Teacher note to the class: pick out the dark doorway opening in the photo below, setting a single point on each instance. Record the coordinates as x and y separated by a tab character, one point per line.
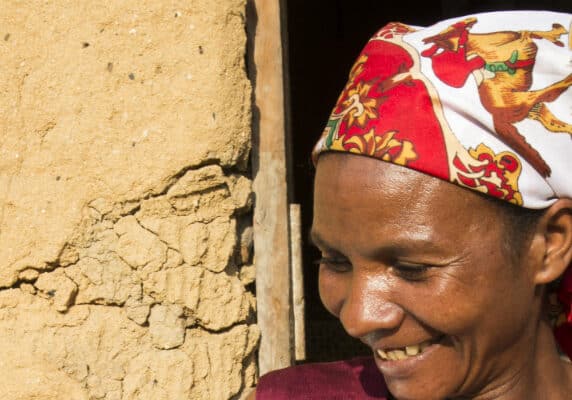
324	39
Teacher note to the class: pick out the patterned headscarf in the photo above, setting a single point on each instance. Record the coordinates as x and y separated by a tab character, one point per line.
481	101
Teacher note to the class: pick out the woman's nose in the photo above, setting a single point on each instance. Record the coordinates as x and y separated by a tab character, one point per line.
368	308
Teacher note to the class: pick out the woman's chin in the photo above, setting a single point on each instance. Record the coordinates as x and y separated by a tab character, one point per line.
408	391
411	390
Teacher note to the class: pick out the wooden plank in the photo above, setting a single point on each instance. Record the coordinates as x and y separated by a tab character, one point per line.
297	282
271	223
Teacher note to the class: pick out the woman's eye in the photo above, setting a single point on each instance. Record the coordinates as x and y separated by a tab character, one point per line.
411	272
334	264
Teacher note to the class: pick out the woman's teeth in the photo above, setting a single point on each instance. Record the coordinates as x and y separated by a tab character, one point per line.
403	353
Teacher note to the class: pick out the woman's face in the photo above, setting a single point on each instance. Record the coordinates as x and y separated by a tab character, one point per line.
415	268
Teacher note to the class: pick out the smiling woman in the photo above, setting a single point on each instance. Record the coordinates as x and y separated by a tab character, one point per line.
416	269
443	213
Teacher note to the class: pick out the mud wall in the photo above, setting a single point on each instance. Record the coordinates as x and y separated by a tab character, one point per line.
125	201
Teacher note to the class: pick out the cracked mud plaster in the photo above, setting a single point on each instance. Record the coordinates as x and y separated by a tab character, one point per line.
125	203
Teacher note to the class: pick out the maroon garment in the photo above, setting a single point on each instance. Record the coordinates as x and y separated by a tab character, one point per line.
353	379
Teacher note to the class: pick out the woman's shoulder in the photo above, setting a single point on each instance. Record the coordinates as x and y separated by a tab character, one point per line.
357	378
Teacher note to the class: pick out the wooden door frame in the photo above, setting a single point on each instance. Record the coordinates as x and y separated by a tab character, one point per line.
276	221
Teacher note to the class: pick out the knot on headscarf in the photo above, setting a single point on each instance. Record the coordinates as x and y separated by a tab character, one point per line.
482	102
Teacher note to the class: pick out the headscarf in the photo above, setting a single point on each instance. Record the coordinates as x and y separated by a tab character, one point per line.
481	101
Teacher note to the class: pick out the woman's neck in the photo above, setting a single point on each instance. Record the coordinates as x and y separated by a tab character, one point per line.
546	376
553	373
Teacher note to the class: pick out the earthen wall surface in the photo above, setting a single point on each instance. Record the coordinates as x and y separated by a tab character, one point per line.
125	201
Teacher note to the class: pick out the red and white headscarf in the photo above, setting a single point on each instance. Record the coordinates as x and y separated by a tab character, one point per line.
481	101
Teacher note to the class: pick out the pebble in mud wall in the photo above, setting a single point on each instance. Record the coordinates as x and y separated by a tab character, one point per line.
125	201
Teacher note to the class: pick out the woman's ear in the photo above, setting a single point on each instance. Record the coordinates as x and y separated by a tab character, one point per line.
555	232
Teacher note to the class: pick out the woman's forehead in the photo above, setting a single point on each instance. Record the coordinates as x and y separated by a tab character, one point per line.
345	172
354	192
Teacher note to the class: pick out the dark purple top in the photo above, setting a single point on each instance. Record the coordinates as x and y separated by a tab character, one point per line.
353	379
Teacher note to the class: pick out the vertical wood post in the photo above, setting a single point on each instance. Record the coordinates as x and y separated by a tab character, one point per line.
298	302
271	220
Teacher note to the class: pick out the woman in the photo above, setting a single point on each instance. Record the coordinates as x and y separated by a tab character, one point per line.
443	212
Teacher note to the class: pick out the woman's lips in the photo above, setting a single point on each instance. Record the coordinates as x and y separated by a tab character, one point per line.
403	353
404	362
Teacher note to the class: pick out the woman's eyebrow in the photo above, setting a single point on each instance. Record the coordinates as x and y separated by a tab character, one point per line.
403	244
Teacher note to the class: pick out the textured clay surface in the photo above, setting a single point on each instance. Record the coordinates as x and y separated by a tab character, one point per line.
125	201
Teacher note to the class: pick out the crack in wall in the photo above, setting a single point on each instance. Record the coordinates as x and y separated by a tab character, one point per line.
119	297
132	262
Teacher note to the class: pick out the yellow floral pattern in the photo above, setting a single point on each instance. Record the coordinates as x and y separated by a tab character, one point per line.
385	147
492	173
359	108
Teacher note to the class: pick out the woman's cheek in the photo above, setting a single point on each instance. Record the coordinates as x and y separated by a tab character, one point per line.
332	288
